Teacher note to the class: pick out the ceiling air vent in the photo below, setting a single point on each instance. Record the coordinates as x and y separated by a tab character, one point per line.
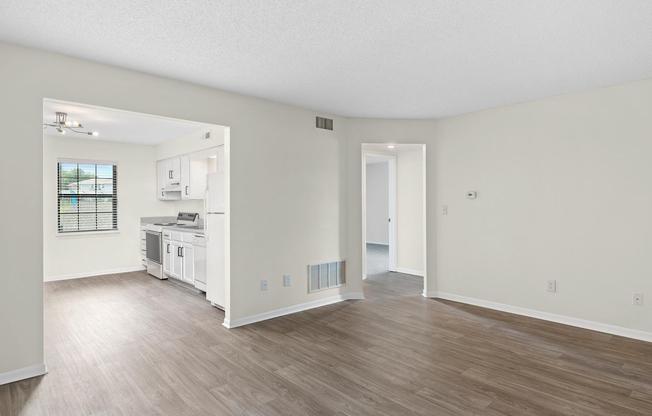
324	123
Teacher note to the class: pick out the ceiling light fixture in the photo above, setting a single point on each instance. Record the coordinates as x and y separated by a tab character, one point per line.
391	146
62	123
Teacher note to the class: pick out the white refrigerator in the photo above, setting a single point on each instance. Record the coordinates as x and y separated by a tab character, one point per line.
215	241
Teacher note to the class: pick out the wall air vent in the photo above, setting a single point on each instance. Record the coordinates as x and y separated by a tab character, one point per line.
324	123
326	275
206	136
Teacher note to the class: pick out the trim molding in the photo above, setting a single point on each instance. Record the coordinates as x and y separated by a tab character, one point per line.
378	244
290	310
101	273
409	271
23	373
546	316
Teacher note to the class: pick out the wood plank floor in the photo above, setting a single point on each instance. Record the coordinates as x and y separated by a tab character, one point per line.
129	344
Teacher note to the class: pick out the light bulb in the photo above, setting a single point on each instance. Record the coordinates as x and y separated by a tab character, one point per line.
391	147
61	131
75	123
67	123
94	133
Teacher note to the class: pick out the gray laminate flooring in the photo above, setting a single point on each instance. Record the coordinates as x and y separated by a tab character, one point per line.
129	344
377	259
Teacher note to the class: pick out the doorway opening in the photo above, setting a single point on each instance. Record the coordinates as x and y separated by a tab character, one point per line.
394	214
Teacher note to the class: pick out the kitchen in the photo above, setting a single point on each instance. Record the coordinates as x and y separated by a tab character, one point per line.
170	178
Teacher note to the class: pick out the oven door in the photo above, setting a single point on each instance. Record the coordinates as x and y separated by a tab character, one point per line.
153	247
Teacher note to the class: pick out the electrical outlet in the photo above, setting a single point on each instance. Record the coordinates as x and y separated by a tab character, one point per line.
552	285
638	299
286	280
264	284
444	210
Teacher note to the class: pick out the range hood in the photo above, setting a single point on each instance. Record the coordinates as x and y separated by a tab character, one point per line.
173	187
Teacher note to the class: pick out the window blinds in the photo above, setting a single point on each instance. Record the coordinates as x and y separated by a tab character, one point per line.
87	196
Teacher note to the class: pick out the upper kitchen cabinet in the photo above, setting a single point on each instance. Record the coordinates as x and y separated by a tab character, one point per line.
184	177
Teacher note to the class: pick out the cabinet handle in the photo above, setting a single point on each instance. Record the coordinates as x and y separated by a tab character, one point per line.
168	250
186	189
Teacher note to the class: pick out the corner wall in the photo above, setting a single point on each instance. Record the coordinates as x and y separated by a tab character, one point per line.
564	192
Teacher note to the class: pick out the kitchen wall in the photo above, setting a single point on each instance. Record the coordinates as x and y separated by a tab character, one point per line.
409	212
288	185
187	144
73	255
378	203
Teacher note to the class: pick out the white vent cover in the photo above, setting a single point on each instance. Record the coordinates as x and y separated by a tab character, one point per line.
206	136
326	275
324	123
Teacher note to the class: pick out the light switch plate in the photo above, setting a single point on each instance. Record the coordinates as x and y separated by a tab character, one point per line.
264	284
471	194
286	280
638	299
552	285
444	210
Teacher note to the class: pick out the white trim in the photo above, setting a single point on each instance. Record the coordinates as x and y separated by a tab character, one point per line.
86	161
78	234
378	244
289	310
546	316
409	271
23	373
90	274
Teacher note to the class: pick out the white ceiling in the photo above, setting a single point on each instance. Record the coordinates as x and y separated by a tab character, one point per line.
392	58
117	126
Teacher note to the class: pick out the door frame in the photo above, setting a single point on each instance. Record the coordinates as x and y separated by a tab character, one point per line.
391	159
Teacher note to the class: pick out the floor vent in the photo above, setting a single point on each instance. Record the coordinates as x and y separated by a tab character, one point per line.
326	275
324	123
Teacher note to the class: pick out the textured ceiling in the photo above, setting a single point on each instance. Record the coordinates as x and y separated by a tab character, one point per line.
394	59
117	126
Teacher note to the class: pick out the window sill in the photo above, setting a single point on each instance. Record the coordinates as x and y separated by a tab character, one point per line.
87	234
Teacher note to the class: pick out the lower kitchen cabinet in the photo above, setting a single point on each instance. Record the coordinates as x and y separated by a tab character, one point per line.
179	260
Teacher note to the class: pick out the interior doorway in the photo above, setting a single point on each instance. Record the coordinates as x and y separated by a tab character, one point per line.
394	212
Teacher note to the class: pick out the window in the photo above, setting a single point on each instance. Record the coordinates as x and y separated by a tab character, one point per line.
87	196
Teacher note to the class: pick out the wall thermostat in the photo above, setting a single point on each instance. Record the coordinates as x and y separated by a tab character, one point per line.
470	194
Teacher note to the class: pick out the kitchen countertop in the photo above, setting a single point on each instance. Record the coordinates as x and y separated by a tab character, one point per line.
198	230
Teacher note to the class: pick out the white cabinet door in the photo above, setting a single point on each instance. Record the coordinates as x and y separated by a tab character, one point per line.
188	254
167	255
161	166
185	176
173	167
176	260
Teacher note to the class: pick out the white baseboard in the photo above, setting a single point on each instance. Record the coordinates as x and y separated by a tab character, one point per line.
546	316
409	271
292	309
23	373
103	272
378	244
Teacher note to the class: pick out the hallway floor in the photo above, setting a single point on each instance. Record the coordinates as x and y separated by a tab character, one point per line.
377	259
129	344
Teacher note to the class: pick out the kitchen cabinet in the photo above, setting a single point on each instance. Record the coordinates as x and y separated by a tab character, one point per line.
176	260
185	176
167	250
173	168
188	261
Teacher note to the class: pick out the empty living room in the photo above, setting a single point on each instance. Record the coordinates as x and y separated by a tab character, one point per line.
342	208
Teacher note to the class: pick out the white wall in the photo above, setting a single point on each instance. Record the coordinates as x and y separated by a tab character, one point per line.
564	189
75	255
378	203
409	212
288	184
